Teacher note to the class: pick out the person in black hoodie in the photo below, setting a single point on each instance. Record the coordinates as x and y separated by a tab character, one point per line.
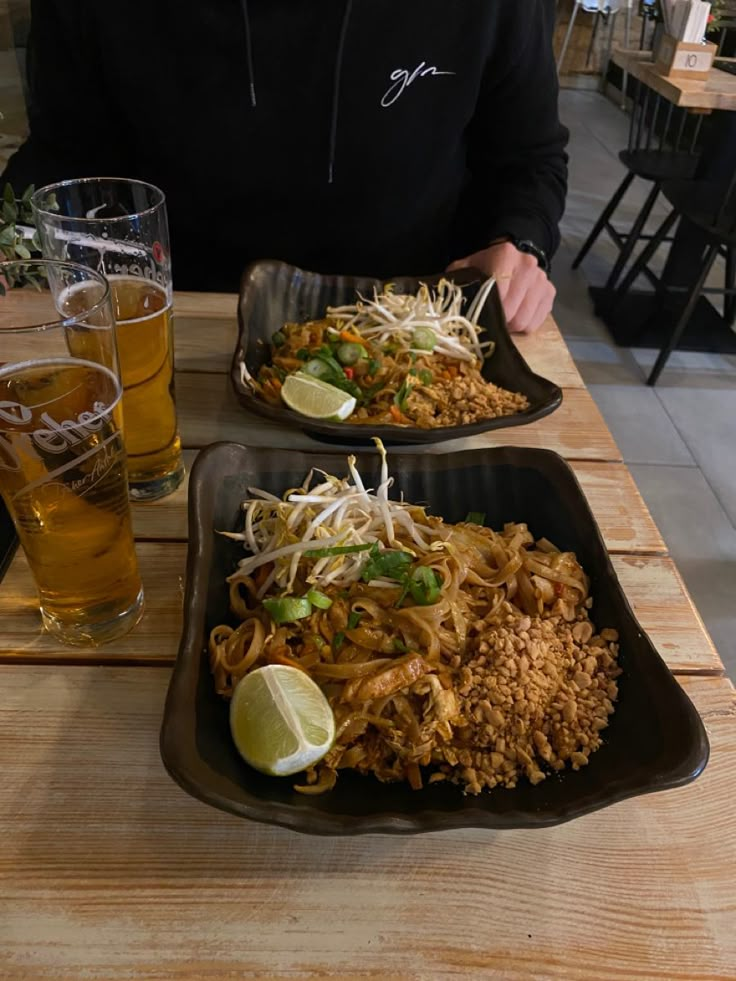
377	137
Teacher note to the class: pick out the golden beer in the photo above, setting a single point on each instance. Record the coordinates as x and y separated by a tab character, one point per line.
146	352
62	475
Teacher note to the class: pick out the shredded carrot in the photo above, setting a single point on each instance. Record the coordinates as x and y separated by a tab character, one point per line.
345	335
398	415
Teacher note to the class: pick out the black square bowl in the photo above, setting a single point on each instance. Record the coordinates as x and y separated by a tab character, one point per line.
655	740
273	293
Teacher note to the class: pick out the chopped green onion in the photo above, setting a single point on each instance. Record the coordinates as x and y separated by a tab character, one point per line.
476	517
402	395
278	339
325	354
425	585
338	640
426	377
374	365
424	338
285	609
318	599
354	619
400	646
303	354
317	368
323	553
350	353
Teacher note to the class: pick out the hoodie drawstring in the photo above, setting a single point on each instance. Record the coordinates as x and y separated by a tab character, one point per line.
336	88
249	54
337	77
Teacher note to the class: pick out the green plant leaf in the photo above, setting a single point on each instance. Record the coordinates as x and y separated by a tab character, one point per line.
22	251
10	212
9	194
7	235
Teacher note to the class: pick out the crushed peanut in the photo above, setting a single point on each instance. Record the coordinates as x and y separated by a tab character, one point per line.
534	694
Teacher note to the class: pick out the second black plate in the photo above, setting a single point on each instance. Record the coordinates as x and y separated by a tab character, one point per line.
273	293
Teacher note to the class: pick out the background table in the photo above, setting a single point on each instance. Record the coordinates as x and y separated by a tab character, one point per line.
718	91
109	871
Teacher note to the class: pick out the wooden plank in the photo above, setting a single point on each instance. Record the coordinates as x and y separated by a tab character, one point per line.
663	607
547	354
206	306
209	411
652	584
622	515
167	518
154	641
623	518
110	871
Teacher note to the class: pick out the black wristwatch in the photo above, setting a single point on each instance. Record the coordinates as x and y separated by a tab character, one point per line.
524	245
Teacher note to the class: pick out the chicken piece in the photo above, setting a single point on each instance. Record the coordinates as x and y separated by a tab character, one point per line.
400	675
442	705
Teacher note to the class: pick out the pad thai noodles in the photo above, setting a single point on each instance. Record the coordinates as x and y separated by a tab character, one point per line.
408	360
446	651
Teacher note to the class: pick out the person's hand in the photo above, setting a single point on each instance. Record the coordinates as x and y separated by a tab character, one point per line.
525	291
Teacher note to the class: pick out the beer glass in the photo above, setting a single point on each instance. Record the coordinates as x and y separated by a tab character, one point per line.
62	458
119	228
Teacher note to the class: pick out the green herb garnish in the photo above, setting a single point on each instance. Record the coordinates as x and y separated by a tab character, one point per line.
354	619
476	517
391	564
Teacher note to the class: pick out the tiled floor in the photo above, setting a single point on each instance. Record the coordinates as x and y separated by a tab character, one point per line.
679	438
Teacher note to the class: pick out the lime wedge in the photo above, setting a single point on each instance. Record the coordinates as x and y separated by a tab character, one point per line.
313	397
280	721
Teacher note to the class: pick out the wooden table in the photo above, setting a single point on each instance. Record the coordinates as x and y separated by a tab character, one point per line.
109	871
718	91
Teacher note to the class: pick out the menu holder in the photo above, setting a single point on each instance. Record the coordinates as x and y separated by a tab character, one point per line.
681	59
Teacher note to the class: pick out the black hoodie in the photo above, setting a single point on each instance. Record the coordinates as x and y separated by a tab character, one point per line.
360	136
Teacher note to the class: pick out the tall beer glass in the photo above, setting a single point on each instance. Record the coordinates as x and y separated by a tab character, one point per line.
119	228
62	459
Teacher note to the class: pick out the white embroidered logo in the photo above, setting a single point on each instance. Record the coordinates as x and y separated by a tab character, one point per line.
401	79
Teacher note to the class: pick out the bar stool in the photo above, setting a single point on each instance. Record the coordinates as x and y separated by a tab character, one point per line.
711	206
662	145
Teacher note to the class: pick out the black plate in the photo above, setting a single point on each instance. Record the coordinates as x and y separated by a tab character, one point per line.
655	740
273	293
